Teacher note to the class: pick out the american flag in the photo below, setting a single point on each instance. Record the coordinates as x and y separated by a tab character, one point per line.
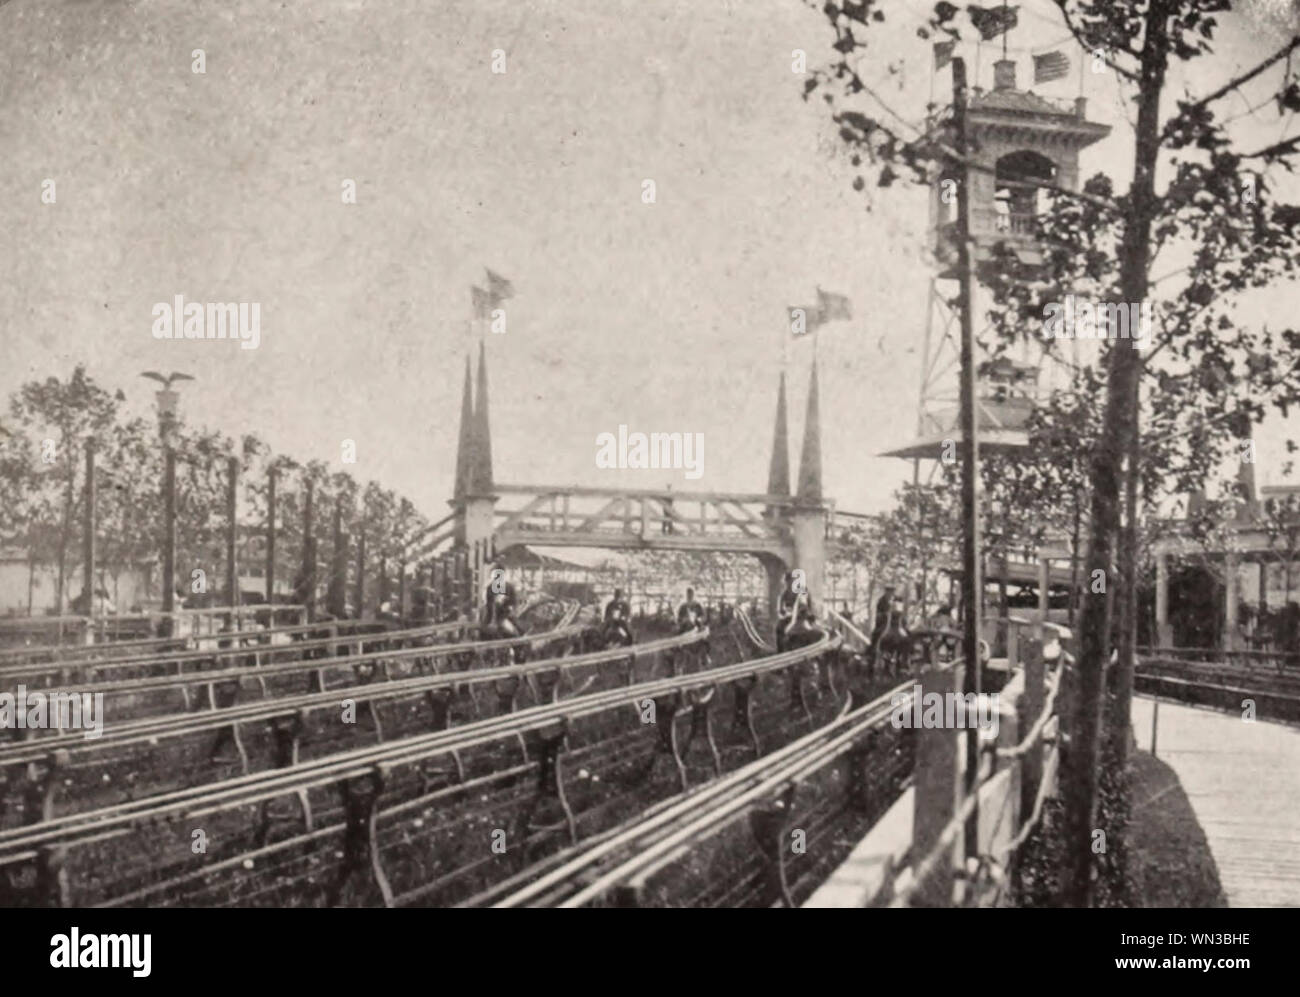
992	21
1050	66
943	53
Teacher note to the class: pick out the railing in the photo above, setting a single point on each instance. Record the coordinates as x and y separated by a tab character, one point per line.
120	649
261	648
1255	683
186	622
657	517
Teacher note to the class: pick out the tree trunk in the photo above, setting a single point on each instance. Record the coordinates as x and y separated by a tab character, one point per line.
1074	559
1118	429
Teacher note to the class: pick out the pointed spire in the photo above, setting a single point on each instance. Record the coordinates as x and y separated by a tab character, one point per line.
482	450
465	442
778	474
1248	508
810	460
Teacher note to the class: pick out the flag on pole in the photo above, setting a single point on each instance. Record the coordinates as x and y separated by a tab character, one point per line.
833	307
499	288
943	53
482	302
992	21
1051	66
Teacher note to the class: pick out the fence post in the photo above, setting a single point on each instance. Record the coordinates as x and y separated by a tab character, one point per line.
1155	717
937	793
1031	771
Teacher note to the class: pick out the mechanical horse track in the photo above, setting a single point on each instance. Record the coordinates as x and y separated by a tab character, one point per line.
422	767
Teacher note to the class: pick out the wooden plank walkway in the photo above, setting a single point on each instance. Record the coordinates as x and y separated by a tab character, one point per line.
1243	781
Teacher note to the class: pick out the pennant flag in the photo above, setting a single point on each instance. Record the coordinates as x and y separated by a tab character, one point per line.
1051	66
992	21
482	302
499	288
833	307
943	53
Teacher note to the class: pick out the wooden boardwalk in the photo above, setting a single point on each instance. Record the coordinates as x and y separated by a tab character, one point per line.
1243	781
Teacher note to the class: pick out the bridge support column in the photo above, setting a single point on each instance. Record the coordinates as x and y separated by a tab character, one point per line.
809	523
476	521
774	569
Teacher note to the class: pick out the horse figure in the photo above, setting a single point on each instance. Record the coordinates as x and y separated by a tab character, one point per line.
892	650
802	629
498	624
615	632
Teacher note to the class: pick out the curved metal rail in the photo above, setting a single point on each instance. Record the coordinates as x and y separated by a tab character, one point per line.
333	637
627	856
154	730
558	721
100	623
21	844
67	654
361	665
93	671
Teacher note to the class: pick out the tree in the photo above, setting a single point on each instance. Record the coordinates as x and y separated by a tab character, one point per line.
128	506
1216	377
57	418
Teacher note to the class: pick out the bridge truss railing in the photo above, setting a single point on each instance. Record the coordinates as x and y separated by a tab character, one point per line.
648	514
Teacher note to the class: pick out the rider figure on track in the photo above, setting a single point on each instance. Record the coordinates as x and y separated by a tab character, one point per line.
794	612
884	607
617	616
690	614
499	601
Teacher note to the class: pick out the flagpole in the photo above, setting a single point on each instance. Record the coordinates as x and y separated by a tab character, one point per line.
1082	59
929	106
1005	29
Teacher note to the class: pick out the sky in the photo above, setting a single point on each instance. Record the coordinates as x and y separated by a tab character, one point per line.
665	317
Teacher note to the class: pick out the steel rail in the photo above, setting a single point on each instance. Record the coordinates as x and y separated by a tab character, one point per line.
139	645
572	609
184	681
18	844
178	658
705	811
154	729
619	698
179	614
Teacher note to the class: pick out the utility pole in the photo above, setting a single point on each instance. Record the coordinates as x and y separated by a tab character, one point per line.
972	582
88	538
270	541
169	540
309	553
358	611
232	540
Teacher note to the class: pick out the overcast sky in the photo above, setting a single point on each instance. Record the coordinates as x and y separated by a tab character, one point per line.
666	317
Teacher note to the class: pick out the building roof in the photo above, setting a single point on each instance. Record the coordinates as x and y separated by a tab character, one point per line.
1018	100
